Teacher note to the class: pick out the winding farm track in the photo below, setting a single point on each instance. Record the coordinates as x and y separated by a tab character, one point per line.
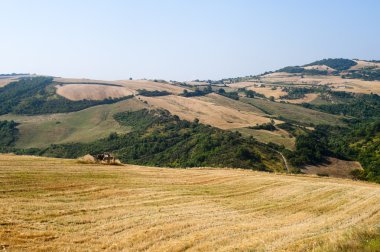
60	205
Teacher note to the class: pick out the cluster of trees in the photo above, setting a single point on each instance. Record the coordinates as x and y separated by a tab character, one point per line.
145	92
251	93
361	106
36	95
359	140
310	149
8	133
367	74
231	95
338	64
296	93
161	139
265	126
297	69
197	92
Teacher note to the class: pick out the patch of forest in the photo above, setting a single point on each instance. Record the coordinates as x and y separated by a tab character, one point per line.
359	140
8	133
338	64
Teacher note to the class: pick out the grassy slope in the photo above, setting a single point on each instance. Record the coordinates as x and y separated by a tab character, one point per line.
294	112
82	126
58	204
265	136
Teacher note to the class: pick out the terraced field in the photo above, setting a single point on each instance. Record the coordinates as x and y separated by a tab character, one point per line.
60	205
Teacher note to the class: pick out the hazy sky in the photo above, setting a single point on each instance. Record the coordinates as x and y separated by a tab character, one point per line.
183	39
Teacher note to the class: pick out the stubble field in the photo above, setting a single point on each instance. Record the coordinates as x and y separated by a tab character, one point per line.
60	205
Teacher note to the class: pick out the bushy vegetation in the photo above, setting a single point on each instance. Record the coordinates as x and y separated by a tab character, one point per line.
337	64
367	74
361	106
197	92
8	133
32	96
297	69
231	95
145	92
359	140
251	93
161	139
265	126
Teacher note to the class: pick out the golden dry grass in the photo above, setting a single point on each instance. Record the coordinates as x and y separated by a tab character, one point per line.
150	86
364	64
60	205
209	111
267	91
76	92
335	82
4	82
131	85
308	98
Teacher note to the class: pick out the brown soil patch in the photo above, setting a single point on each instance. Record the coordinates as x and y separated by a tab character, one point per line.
335	168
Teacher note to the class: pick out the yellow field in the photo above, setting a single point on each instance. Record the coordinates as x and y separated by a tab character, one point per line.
77	92
335	82
209	110
267	91
4	82
83	89
60	205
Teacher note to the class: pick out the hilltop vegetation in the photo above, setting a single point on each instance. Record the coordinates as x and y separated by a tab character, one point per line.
36	95
337	64
301	70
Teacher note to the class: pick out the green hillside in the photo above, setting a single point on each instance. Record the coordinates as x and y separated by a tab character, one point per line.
83	126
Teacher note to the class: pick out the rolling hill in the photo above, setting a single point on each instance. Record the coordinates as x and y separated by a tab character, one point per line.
278	110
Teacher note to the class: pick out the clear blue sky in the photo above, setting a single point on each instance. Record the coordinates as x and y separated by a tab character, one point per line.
182	39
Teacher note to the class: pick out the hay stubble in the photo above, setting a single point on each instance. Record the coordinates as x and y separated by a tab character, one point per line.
56	204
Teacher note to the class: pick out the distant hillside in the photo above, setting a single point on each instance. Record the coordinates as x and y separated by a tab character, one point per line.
37	95
304	115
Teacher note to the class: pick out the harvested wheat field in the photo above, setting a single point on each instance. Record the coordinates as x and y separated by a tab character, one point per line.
150	86
209	111
60	205
77	92
337	83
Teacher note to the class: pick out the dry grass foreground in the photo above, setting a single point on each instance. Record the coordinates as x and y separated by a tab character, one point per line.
60	205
